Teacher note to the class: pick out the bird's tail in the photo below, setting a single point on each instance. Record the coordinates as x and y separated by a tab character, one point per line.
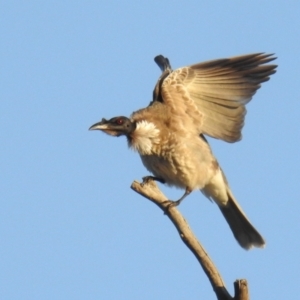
244	232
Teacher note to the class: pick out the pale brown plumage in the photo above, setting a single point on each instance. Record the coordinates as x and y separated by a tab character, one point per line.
203	99
214	93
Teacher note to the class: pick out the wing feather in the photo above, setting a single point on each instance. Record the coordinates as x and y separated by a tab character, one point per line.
214	93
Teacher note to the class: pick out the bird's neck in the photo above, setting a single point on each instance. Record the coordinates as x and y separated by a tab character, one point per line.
144	137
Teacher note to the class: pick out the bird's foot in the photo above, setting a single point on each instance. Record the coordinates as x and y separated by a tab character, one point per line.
168	204
171	203
149	178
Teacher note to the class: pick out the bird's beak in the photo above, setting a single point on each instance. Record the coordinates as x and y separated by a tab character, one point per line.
100	125
106	127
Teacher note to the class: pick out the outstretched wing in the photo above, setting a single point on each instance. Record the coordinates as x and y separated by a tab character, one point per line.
214	93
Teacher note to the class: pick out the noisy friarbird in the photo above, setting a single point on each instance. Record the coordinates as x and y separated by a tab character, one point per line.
207	98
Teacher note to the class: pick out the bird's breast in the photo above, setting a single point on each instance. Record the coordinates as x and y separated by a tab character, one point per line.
180	158
181	163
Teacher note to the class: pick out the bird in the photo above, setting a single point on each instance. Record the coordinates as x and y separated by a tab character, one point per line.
188	104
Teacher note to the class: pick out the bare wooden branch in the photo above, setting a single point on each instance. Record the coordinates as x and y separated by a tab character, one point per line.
241	290
150	191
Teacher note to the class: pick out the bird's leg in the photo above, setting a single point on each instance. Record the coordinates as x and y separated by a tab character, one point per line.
149	178
176	203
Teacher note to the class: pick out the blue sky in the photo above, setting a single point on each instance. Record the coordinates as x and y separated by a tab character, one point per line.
70	226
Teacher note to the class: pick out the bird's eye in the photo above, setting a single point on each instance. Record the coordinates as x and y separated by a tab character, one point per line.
119	121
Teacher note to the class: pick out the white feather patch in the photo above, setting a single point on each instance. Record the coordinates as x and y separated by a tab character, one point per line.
144	137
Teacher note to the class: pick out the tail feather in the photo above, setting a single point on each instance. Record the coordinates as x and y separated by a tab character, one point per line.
244	232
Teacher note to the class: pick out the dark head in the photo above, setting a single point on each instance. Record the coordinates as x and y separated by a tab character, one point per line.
116	126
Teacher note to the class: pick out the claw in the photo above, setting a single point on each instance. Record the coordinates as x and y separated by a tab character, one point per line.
149	178
176	203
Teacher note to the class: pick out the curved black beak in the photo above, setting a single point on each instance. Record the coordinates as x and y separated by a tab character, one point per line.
100	125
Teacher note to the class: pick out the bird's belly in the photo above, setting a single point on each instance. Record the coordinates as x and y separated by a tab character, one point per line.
180	171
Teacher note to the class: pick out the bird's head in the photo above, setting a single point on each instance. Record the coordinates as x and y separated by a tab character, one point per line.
116	126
